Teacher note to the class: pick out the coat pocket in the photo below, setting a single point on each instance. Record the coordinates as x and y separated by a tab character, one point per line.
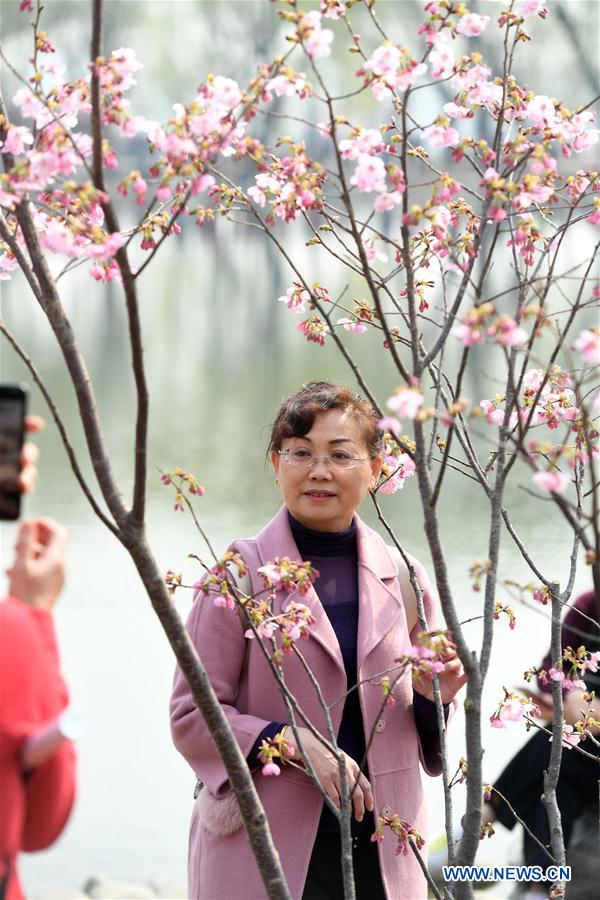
218	816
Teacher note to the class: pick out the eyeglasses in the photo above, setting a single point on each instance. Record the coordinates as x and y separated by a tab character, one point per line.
339	459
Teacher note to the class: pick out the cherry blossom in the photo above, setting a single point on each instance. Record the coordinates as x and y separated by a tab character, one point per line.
588	344
372	251
542	595
472	24
442	60
594	217
393	67
470	329
387	200
504	330
296	298
369	174
442	136
288	83
314	329
368	141
406	402
391	424
531	8
457	111
17	138
316	40
551	480
570	737
333	9
541	111
512	709
403	831
494	414
354	325
395	470
106	271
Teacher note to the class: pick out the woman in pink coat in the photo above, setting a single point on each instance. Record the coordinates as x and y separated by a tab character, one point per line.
326	452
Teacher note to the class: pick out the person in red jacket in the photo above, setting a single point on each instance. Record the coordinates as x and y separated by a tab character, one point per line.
37	759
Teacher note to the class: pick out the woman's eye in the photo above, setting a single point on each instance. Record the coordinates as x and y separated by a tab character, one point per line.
340	455
301	454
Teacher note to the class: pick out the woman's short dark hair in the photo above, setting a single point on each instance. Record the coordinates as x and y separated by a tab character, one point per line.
297	413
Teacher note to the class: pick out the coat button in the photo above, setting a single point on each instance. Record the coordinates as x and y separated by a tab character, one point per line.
380	725
386	812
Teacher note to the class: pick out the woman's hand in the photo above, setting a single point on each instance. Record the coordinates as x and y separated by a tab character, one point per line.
450	680
326	768
38	570
575	708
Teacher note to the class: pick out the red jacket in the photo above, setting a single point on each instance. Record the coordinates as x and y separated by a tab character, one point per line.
34	806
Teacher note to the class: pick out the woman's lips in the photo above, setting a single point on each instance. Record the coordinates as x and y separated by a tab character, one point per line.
319	496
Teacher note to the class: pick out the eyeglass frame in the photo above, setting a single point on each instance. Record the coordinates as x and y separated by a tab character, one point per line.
284	454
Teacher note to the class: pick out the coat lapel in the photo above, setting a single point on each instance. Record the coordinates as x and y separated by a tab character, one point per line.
380	606
276	539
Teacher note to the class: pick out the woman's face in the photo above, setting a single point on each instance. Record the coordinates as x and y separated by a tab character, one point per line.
324	497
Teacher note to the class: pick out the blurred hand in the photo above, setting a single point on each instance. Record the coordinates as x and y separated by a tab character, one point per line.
575	708
326	767
29	455
38	572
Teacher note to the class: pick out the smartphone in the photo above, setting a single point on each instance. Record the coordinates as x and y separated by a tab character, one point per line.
13	402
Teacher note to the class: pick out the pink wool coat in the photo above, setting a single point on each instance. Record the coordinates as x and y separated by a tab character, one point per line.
222	867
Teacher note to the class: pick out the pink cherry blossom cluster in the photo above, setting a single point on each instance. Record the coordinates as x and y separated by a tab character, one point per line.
314	329
297	296
542	595
503	329
508	612
287	83
549	405
315	39
353	324
333	9
286	575
218	580
292	185
573	666
390	68
397	464
403	831
180	480
406	402
526	236
588	344
387	694
570	736
272	749
115	74
472	24
512	709
292	624
428	654
173	580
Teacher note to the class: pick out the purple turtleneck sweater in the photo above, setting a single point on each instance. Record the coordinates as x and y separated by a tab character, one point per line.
335	556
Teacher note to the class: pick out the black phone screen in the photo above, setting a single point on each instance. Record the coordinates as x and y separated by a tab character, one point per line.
12	428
